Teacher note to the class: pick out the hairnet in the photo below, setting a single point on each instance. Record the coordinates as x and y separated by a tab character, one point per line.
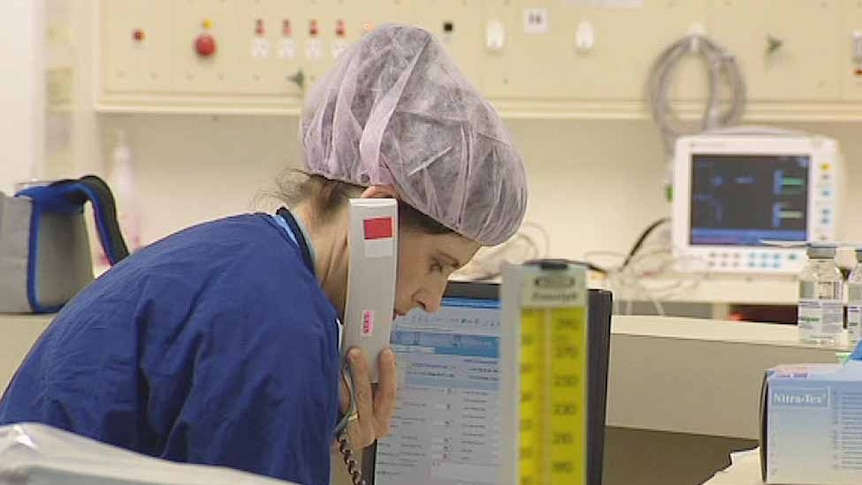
395	110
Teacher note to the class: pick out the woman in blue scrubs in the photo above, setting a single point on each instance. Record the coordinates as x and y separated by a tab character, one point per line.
219	344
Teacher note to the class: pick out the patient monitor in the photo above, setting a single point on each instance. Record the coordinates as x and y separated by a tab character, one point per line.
737	190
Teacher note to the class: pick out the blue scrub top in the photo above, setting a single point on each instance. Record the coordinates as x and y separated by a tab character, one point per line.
214	346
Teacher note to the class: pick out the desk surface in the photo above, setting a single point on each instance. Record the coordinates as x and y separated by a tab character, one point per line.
697	376
666	374
761	290
715	331
745	470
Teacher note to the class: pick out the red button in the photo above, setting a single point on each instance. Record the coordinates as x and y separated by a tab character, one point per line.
138	35
205	45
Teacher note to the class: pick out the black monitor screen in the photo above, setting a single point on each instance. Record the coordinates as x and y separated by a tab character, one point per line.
741	200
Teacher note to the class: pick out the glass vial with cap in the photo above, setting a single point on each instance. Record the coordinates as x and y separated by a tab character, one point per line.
820	315
854	301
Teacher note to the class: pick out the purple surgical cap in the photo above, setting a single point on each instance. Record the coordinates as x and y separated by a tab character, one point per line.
396	110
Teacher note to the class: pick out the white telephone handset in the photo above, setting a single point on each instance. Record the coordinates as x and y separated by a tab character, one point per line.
373	246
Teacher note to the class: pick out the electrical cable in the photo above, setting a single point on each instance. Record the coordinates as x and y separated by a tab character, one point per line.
722	69
640	241
488	263
347	454
646	272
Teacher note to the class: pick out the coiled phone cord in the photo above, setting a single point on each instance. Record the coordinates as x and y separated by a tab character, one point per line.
347	454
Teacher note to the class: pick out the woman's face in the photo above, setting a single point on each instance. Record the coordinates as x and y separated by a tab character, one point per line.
425	262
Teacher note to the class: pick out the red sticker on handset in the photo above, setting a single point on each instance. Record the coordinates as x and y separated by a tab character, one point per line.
378	228
367	323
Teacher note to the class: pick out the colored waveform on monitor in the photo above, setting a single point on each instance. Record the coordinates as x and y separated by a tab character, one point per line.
780	214
787	186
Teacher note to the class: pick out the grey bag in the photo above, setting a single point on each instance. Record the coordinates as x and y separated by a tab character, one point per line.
44	249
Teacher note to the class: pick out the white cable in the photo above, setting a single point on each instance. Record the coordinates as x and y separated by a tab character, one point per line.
659	308
722	69
654	263
545	236
488	263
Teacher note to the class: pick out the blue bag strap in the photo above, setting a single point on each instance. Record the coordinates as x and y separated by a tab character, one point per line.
69	197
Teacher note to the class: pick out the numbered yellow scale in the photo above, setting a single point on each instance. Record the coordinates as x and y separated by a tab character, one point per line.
545	374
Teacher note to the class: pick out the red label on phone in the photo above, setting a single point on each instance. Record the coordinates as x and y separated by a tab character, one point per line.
378	228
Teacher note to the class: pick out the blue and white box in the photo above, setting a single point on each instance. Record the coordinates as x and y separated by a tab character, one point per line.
811	424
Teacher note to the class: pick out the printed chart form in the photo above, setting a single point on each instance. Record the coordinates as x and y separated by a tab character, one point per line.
446	426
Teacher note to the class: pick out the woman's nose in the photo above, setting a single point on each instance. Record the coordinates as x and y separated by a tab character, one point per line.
430	303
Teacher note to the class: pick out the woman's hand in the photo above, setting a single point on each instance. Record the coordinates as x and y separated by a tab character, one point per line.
374	409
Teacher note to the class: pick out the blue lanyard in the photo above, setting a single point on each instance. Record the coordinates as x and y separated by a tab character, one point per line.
293	230
297	236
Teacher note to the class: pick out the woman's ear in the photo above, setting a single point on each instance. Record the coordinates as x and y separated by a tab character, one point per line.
379	192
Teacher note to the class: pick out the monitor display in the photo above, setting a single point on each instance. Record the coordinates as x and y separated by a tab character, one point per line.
446	428
742	200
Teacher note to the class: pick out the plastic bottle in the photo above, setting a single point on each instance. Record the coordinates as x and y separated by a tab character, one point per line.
820	314
123	186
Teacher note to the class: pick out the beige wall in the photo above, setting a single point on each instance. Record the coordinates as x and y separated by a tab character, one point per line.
594	184
21	116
